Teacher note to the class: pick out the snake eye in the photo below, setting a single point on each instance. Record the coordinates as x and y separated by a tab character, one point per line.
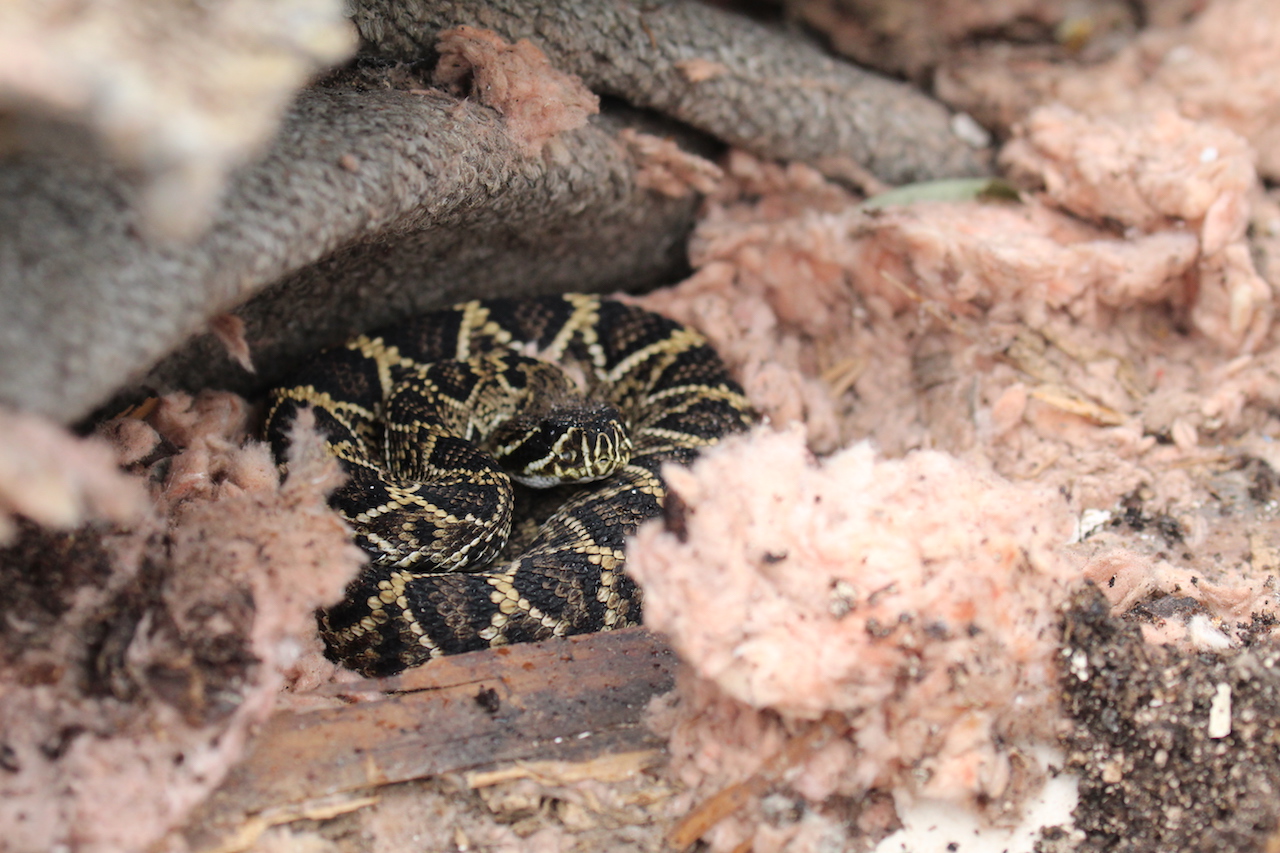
565	456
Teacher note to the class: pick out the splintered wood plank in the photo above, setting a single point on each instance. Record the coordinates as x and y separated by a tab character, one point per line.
561	699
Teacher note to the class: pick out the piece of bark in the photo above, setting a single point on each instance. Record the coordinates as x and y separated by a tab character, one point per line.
768	91
560	699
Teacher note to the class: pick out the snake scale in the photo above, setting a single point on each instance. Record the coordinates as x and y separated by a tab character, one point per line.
417	413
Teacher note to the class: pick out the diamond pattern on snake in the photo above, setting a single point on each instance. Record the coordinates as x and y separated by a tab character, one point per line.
498	454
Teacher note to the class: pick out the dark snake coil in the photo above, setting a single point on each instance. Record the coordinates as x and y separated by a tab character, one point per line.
413	398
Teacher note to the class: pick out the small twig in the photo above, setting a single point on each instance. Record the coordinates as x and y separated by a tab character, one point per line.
719	806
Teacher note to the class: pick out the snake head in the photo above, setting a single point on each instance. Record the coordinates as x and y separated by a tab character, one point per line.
568	443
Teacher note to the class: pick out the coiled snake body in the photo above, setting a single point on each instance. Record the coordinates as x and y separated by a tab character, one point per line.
404	410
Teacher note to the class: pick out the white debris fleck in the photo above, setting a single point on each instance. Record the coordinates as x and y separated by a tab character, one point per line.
1220	712
967	129
1089	523
1205	636
1080	664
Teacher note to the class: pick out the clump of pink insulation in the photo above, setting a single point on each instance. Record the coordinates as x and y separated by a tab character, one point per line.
1160	175
666	168
1096	357
1219	66
54	479
916	597
1079	384
537	100
135	658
